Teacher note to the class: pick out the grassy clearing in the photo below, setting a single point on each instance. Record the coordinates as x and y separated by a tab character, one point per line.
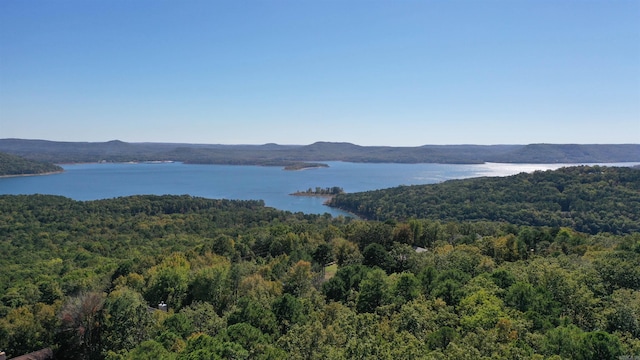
330	271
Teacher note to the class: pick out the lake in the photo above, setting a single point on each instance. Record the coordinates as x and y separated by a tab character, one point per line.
271	184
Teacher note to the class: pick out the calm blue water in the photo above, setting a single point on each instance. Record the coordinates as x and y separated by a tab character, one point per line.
271	184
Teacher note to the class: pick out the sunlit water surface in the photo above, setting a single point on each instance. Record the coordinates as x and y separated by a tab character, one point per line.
271	184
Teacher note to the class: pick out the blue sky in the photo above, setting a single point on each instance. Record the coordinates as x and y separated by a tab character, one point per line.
400	73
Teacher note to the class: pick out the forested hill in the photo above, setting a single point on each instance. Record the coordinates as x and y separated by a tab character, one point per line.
588	199
244	281
288	155
12	165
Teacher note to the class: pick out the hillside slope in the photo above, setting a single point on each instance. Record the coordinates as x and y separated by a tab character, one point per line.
12	165
588	199
245	281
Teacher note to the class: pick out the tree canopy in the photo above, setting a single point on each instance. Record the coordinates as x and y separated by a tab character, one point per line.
589	199
12	165
245	281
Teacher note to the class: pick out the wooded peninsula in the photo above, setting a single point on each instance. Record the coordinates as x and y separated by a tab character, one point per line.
12	165
590	199
554	275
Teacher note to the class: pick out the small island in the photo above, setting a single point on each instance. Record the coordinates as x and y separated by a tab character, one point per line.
305	166
322	192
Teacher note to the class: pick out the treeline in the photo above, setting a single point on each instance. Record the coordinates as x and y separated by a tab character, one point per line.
304	166
319	191
295	156
16	165
243	281
589	199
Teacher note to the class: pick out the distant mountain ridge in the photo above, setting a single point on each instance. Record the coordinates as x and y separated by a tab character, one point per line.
573	153
283	155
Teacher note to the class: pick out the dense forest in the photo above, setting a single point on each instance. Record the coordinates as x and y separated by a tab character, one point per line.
244	281
12	165
298	156
588	199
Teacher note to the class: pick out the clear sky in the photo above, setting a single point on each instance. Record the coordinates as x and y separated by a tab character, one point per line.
295	72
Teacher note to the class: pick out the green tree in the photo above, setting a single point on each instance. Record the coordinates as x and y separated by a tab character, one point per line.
441	338
50	291
169	282
374	291
126	320
204	318
307	341
401	258
335	289
503	278
257	344
623	312
224	245
288	311
346	253
212	284
480	309
204	347
618	270
150	350
376	255
403	234
565	341
365	233
257	288
323	255
521	296
179	324
406	288
254	313
600	345
448	286
298	279
25	329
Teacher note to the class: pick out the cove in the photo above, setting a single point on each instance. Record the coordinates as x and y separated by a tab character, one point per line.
271	184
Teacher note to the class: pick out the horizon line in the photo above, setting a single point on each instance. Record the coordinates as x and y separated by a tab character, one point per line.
313	143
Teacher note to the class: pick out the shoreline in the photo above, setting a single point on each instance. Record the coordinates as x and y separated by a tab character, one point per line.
352	214
327	197
304	166
24	175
